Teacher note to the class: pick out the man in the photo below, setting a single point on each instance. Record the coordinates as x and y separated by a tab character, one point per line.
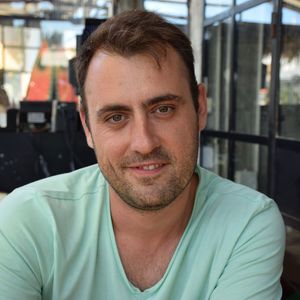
151	224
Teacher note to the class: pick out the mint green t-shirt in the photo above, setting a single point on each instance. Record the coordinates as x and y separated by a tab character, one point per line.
57	242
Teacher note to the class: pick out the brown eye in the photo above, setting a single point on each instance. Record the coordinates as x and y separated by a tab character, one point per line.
117	118
164	109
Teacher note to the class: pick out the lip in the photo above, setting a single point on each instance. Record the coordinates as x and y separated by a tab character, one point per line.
147	169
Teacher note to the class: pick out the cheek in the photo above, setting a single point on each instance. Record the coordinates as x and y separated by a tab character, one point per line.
187	139
109	147
184	131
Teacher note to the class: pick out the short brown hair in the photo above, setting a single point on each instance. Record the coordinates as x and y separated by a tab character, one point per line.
136	32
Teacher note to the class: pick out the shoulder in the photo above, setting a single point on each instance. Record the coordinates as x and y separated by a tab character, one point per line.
228	194
236	209
41	203
245	232
75	183
68	186
36	218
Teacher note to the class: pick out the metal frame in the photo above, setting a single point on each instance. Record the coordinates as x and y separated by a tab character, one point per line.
58	13
272	141
234	136
34	18
232	11
170	16
232	104
274	93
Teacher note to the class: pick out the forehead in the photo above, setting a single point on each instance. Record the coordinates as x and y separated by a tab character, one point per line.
111	76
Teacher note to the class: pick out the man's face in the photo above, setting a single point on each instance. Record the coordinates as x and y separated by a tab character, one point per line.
143	126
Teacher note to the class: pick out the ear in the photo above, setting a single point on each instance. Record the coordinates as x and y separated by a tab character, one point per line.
202	110
86	128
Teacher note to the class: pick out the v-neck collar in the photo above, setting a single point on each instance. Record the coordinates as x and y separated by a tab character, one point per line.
134	290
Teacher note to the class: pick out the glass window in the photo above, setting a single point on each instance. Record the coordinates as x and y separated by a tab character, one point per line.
253	68
217	74
1	49
12	84
1	56
251	165
237	2
36	68
32	37
175	12
65	10
49	66
174	9
60	33
214	7
59	46
288	181
25	80
13	59
290	74
31	56
214	155
13	36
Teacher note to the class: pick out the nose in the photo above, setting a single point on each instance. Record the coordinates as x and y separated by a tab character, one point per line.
144	138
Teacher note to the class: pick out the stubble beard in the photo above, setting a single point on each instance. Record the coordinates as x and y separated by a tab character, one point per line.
152	193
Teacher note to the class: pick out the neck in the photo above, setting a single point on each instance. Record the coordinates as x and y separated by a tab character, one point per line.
153	226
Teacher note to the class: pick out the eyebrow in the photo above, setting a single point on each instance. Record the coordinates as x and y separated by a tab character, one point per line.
161	98
111	108
149	102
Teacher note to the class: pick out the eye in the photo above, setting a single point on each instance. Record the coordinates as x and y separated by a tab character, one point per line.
164	109
117	118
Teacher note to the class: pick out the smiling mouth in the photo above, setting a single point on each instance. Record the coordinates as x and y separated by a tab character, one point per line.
149	167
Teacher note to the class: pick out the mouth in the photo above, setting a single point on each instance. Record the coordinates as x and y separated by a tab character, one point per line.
147	169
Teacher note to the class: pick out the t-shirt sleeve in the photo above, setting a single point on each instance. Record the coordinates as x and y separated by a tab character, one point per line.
22	256
255	266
